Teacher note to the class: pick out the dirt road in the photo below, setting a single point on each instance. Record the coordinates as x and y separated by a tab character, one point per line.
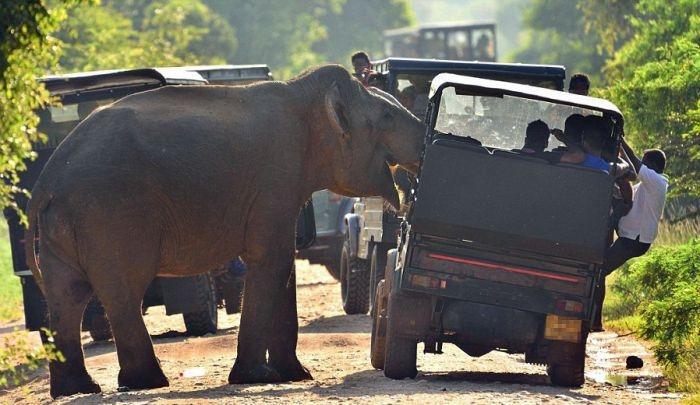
335	348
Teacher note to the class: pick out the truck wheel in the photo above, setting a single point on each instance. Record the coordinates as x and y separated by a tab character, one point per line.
202	322
400	354
378	341
354	282
376	270
566	363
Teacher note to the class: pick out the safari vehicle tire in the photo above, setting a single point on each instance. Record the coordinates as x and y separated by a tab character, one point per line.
99	328
378	341
376	270
566	363
202	322
400	354
354	282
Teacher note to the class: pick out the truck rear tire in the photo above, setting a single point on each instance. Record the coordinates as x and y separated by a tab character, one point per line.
566	363
354	282
376	270
200	323
400	354
378	341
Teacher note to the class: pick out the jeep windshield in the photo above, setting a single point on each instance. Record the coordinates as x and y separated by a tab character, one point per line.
499	121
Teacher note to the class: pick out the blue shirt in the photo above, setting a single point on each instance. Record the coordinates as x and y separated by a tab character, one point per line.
596	162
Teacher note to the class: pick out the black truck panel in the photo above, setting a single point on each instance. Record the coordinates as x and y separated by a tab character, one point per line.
509	200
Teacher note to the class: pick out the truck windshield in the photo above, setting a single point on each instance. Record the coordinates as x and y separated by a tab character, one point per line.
500	122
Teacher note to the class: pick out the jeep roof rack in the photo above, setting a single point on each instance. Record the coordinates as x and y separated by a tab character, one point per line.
417	65
89	81
523	90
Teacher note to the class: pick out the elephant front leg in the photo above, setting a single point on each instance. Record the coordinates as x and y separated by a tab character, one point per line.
262	292
283	341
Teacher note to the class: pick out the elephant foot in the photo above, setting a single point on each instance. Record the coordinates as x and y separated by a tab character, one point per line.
138	380
67	384
260	373
292	371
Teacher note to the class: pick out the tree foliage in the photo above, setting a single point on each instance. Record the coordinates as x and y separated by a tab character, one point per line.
655	80
556	34
359	26
148	33
27	50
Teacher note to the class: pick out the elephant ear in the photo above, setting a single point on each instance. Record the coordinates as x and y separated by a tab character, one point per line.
337	111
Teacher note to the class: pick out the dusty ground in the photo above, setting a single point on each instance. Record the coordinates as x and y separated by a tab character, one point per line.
335	348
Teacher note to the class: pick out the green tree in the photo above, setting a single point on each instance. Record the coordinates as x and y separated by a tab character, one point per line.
359	26
655	80
278	33
556	33
140	33
27	51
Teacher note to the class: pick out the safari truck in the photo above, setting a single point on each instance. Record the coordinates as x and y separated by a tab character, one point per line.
500	250
371	229
193	297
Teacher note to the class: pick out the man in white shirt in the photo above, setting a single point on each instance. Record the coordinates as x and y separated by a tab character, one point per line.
637	230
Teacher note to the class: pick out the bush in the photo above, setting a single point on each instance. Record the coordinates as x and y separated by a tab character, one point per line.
663	288
18	358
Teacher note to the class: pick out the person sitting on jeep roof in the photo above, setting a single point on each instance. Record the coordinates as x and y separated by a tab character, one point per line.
536	138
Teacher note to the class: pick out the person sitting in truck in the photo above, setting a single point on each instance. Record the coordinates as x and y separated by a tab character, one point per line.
588	154
572	133
536	138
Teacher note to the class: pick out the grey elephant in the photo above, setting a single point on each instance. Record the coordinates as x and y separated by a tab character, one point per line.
179	179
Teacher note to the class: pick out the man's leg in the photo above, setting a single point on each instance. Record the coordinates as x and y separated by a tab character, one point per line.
618	254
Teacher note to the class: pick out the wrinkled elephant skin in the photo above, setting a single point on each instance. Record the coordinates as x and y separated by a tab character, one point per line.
178	180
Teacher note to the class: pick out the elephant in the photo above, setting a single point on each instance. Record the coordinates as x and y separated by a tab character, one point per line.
182	178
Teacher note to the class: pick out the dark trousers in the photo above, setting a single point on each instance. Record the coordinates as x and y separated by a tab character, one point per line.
617	254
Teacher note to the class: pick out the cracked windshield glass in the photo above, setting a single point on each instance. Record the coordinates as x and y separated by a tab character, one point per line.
500	122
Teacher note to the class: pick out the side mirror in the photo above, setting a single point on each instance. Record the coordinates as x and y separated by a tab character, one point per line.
306	226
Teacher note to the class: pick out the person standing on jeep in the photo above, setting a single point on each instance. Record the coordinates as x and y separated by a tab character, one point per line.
637	230
579	84
362	66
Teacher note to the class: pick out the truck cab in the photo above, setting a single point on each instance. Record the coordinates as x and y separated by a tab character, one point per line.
500	249
371	229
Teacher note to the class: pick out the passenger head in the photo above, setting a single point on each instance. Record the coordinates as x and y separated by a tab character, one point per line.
655	159
360	62
537	136
594	134
573	129
579	84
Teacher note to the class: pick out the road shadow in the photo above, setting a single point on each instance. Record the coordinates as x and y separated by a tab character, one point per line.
93	349
339	324
369	383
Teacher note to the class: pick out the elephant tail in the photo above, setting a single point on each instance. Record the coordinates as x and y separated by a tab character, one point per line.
37	203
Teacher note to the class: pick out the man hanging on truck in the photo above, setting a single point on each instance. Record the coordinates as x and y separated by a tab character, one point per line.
637	230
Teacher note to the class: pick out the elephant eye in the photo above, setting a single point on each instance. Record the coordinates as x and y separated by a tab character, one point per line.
387	116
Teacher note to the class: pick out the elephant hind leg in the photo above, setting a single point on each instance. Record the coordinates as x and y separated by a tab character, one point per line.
122	297
67	292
